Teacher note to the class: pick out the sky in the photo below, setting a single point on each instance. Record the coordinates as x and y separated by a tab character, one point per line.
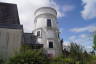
76	18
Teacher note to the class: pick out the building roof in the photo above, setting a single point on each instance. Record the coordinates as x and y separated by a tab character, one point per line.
29	38
44	8
8	13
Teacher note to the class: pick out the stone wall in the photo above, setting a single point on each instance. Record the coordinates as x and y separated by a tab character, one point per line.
10	42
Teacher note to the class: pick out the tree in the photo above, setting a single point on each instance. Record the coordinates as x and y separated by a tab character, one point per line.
75	55
28	57
66	53
61	60
1	61
78	53
94	42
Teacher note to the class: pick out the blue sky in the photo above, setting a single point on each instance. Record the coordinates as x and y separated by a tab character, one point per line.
74	27
76	18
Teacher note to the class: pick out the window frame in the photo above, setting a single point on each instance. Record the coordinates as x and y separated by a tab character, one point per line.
39	33
52	44
58	35
49	23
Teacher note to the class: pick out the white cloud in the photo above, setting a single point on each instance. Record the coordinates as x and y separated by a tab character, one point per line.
26	10
78	39
83	36
57	7
68	8
82	39
89	11
90	28
61	30
66	43
72	38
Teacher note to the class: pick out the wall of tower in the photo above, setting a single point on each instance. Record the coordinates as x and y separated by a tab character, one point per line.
48	34
45	10
41	21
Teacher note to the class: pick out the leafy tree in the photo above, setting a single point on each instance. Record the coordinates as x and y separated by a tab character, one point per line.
57	60
94	42
76	51
28	57
74	55
1	61
66	53
78	54
93	59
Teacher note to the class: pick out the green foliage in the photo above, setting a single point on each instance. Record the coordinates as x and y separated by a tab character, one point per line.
93	59
28	57
62	60
78	54
1	61
76	51
94	42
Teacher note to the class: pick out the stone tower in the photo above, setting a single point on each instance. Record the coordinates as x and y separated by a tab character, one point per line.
47	31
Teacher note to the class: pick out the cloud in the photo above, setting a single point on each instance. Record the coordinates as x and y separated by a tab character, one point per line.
26	10
90	28
57	7
66	43
83	36
68	8
83	40
89	11
80	38
72	38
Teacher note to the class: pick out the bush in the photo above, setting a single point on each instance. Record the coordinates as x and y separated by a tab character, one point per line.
28	57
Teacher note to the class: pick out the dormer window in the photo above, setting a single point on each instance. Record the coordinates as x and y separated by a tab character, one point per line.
49	23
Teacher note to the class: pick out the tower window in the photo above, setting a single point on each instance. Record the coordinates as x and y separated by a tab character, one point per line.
50	44
58	36
49	23
38	33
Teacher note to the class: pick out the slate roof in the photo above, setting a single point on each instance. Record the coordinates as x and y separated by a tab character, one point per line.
29	38
8	13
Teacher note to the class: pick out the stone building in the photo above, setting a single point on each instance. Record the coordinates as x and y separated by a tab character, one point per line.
10	40
10	30
12	36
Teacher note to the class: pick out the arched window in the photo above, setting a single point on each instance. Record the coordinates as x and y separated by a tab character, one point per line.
38	33
50	44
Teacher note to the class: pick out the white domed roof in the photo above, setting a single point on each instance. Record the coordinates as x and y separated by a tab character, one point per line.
44	10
